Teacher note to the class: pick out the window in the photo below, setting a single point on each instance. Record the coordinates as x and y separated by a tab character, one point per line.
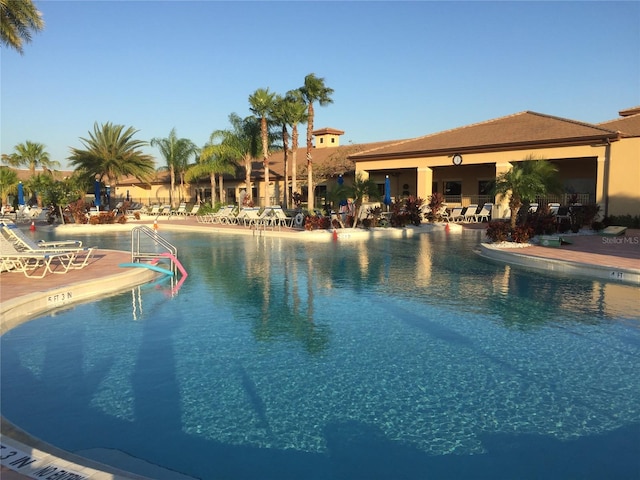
453	188
485	187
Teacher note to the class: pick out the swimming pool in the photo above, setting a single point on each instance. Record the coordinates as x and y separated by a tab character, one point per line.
395	358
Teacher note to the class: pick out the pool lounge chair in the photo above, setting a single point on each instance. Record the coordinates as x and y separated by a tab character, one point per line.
484	213
182	209
470	213
455	215
79	255
32	264
194	210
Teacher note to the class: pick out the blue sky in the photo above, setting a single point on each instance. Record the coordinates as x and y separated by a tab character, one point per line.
399	69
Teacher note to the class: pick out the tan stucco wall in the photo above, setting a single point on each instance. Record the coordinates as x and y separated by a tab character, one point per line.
624	178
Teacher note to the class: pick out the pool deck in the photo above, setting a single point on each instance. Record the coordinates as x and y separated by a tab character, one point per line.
614	258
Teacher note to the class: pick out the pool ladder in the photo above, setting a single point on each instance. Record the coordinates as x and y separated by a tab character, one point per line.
166	249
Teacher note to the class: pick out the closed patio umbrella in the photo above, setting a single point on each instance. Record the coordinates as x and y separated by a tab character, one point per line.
96	191
387	192
20	194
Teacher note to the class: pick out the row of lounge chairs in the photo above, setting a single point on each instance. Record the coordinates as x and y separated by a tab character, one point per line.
251	217
21	254
166	210
463	214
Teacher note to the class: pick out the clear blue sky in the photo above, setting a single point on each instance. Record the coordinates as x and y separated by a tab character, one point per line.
399	69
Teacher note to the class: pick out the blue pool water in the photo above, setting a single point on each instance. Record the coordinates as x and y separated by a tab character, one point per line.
386	359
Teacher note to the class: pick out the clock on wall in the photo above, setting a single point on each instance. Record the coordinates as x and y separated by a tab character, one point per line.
457	159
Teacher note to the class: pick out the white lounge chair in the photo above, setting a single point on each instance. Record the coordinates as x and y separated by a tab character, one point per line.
182	209
470	213
455	215
194	210
484	213
80	255
32	264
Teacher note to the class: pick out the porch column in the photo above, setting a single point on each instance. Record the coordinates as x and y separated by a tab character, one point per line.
501	207
602	181
424	183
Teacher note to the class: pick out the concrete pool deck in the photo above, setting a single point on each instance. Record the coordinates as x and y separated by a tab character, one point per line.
616	259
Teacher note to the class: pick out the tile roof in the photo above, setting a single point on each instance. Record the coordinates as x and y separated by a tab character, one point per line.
520	130
629	125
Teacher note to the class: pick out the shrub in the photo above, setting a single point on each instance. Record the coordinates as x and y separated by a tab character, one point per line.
406	211
542	222
522	233
435	204
498	231
315	222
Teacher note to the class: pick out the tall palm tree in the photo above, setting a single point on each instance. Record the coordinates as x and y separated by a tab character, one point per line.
290	110
111	152
176	152
18	19
211	163
313	90
8	184
525	181
32	155
262	103
241	143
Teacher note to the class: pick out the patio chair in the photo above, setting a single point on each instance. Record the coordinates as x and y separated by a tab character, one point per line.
470	213
553	208
455	215
80	255
194	210
484	213
182	209
533	208
32	264
166	211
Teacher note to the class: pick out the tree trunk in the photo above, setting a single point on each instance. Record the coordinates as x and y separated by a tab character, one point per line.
221	182
247	178
212	179
294	162
265	157
172	191
310	189
285	157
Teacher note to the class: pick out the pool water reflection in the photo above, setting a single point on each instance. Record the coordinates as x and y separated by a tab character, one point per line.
406	358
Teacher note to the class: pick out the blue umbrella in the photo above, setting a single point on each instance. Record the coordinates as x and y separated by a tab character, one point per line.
387	191
341	182
20	194
96	191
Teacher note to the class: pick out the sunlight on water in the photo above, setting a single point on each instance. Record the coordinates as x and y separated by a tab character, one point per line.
415	346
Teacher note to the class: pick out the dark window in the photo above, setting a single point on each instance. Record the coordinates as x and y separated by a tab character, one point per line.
485	187
453	188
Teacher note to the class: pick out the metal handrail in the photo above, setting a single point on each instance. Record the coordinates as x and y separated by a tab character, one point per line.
137	255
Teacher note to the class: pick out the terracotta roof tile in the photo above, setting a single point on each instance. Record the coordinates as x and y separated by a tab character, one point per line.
629	126
513	131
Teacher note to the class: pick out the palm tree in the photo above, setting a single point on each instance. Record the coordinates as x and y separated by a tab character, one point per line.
241	143
360	189
290	110
313	90
262	103
18	19
111	152
211	163
525	181
176	152
32	155
8	184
